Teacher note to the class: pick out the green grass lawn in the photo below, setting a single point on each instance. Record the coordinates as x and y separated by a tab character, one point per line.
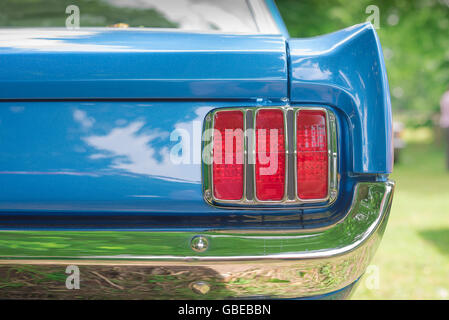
413	258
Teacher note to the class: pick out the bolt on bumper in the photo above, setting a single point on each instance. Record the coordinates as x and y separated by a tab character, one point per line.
235	264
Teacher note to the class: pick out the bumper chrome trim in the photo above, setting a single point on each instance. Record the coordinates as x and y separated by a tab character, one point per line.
308	263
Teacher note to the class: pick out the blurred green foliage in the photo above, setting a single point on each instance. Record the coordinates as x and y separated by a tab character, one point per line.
413	257
414	35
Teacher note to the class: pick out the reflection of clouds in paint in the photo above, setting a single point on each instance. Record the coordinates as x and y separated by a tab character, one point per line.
51	173
144	196
228	16
54	40
194	127
81	117
17	109
308	70
200	114
131	149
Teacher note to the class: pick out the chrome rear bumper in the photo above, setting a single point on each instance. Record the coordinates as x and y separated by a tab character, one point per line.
236	264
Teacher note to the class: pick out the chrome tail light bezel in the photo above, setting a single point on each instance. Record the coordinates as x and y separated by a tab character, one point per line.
288	201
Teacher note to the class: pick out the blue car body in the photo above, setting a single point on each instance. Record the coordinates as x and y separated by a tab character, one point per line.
85	131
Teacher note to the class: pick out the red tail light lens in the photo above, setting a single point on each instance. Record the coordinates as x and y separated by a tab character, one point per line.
228	155
253	168
270	155
312	154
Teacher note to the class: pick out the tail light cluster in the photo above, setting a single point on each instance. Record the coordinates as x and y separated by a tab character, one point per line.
270	156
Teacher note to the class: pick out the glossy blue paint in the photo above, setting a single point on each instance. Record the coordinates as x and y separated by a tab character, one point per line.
114	159
346	69
91	160
70	161
140	64
86	156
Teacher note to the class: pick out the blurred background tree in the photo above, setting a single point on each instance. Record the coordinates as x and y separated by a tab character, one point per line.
415	38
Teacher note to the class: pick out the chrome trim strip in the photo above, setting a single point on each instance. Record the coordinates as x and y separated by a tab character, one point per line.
308	263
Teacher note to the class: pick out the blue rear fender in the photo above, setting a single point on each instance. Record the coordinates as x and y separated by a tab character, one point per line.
346	70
